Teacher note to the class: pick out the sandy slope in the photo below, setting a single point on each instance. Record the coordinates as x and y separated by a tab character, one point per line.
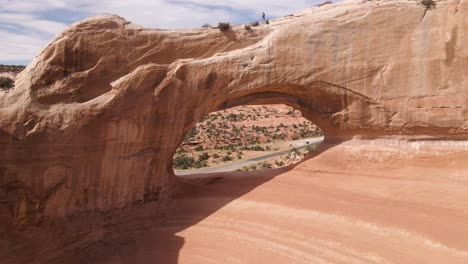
333	212
342	206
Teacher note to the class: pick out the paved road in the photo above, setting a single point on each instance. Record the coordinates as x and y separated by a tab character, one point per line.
298	144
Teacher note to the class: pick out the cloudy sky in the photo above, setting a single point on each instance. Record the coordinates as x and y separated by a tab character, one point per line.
27	25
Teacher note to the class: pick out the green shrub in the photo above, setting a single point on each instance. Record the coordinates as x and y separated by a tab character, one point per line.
6	83
203	157
265	166
183	162
192	132
226	158
429	4
199	148
181	151
279	163
200	164
224	26
294	150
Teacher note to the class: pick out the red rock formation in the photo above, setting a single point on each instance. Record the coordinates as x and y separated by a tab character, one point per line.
95	119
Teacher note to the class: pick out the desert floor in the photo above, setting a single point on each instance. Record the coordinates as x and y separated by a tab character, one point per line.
341	206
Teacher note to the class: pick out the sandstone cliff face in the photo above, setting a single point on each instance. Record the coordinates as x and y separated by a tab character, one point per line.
94	121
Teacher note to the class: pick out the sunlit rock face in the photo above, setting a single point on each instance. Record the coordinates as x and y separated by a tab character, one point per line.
93	122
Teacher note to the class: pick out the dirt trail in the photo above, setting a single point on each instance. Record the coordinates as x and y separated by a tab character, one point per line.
298	144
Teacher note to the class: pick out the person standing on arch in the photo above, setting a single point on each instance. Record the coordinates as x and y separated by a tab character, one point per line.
263	16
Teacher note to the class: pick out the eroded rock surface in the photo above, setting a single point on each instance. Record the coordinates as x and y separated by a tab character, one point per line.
93	122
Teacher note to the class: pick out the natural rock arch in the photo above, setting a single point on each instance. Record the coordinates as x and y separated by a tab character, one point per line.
94	121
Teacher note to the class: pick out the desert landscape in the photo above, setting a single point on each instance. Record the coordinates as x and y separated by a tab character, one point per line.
105	164
247	132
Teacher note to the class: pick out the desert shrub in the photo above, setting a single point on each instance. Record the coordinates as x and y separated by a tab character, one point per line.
265	166
255	24
279	163
204	156
325	3
11	68
294	150
181	151
224	26
226	158
192	132
199	148
206	26
6	83
429	4
247	27
310	148
215	156
183	162
200	164
267	22
239	156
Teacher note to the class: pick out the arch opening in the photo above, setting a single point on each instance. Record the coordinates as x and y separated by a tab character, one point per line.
247	138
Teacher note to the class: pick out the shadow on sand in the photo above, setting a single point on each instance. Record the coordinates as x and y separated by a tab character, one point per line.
138	234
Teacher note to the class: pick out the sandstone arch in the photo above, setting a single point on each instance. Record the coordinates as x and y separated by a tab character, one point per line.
110	101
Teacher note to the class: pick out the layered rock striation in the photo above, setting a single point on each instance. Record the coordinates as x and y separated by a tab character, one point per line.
93	122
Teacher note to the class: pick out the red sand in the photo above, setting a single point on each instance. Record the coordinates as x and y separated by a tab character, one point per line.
343	206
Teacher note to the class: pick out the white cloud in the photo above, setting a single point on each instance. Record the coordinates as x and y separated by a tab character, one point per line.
27	25
19	47
31	22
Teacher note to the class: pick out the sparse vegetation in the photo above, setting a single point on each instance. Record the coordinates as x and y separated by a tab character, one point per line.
294	150
279	163
310	148
255	24
204	156
265	166
230	135
192	132
226	158
11	68
199	148
6	83
247	27
429	4
224	26
206	26
325	3
183	162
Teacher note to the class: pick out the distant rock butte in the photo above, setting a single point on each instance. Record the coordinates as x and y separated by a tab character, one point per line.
94	120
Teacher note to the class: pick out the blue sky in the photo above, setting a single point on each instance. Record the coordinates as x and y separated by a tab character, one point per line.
26	26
